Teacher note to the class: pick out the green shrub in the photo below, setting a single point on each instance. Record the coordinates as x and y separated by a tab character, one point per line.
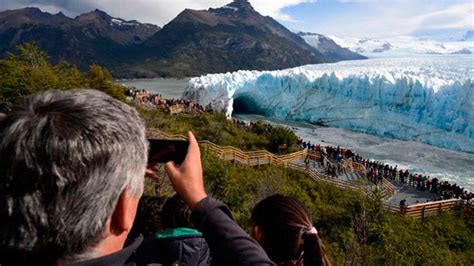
28	71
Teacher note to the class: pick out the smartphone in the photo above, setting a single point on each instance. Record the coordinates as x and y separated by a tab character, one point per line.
163	151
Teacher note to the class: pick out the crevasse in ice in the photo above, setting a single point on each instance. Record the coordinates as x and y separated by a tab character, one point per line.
428	99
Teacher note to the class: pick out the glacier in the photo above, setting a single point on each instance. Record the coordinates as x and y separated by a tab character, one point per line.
402	46
429	99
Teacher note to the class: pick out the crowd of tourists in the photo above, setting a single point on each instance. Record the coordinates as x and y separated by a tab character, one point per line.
144	98
331	158
377	170
250	125
72	168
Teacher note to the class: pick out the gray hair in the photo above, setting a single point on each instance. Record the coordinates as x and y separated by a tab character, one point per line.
65	158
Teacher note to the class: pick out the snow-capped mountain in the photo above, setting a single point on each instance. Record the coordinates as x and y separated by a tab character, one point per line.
406	45
428	98
468	36
329	49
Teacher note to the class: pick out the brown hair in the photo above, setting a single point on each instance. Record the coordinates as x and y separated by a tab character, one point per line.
175	213
285	224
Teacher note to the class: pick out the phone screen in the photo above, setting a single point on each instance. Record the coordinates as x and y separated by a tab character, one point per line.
163	151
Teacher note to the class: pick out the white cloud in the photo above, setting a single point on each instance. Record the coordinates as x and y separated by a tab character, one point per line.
457	16
274	9
380	19
158	12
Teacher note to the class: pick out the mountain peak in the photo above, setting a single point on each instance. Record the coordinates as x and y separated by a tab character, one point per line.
31	10
97	14
29	15
101	14
237	7
241	4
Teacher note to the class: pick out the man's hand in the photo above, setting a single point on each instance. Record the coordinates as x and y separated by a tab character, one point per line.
151	172
187	178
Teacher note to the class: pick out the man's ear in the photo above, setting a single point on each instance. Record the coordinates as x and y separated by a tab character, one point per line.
124	213
257	234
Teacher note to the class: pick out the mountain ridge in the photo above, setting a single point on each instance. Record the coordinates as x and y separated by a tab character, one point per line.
225	39
195	42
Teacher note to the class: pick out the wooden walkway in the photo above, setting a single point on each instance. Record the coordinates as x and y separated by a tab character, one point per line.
296	161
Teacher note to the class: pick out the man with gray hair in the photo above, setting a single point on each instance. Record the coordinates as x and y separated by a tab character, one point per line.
72	165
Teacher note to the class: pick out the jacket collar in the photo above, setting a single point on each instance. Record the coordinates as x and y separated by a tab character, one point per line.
117	258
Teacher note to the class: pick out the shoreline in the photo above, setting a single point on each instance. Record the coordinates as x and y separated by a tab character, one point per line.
150	79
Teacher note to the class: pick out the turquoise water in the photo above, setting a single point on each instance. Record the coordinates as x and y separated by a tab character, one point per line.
169	88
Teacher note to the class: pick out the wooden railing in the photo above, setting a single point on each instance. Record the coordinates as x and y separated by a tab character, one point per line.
261	157
321	177
388	187
293	161
252	158
391	207
423	210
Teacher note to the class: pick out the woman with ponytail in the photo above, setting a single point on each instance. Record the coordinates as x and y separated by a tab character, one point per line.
285	230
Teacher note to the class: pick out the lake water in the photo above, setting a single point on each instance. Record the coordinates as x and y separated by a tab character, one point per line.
168	88
456	167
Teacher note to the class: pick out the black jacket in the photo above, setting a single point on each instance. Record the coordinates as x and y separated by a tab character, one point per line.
181	250
228	243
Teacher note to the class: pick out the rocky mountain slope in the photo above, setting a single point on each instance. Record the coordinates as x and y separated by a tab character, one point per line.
196	42
93	37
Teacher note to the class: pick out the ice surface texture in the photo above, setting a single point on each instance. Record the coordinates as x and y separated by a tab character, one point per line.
429	99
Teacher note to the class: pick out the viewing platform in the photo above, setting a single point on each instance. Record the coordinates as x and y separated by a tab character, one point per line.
392	191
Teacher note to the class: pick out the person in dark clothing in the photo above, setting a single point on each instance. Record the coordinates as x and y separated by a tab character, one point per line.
284	228
148	219
69	195
177	242
403	206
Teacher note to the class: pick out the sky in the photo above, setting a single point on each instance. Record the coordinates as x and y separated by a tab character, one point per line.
343	18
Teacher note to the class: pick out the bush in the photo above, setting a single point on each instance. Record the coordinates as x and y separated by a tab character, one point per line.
28	71
281	136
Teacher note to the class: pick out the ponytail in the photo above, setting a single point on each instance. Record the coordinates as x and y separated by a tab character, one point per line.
314	249
288	233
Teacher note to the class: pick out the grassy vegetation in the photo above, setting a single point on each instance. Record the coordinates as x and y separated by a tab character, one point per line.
217	129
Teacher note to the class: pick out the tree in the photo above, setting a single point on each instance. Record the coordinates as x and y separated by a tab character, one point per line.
100	79
281	136
27	71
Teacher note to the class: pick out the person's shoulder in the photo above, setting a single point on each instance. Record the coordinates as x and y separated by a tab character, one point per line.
166	251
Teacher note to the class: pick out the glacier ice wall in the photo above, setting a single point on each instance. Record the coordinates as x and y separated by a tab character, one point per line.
428	99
